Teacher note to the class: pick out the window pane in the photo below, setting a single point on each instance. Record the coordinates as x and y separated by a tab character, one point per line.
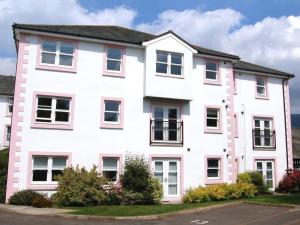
113	65
59	163
257	141
175	70
158	124
63	104
158	166
269	166
172	135
260	81
39	175
114	53
269	175
49	46
259	165
260	90
267	123
176	59
10	108
44	114
172	189
212	113
213	163
66	48
110	164
212	173
8	133
65	60
257	123
48	58
158	135
270	183
111	117
211	75
40	162
162	57
212	123
159	176
111	175
55	173
44	103
161	68
62	116
158	113
211	66
172	124
112	105
172	113
172	177
172	166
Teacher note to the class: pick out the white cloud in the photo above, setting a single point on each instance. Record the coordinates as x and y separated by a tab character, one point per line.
7	66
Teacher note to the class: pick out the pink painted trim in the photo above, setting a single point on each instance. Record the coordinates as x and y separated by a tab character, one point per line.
20	78
71	69
29	170
8	114
119	157
236	125
274	159
66	126
288	124
219	78
5	143
264	97
104	124
173	156
218	130
106	72
213	180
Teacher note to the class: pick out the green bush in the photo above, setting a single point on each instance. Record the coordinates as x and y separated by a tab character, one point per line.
3	173
254	178
79	187
42	202
244	177
220	192
139	185
24	197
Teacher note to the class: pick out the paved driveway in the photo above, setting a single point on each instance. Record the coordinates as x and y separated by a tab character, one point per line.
244	214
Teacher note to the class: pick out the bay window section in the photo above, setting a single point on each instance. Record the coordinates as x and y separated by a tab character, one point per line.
168	63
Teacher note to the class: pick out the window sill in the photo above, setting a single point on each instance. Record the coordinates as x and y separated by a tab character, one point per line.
213	131
262	97
56	68
111	126
170	76
42	186
52	126
213	181
166	144
264	148
212	82
113	74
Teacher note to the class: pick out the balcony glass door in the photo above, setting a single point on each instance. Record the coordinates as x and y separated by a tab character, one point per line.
263	133
266	168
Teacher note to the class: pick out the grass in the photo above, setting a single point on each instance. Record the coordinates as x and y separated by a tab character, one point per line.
277	199
140	210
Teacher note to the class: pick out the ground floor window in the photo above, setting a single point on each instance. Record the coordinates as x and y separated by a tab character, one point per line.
213	168
266	168
110	168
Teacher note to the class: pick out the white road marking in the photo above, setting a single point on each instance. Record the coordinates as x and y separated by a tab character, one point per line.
198	222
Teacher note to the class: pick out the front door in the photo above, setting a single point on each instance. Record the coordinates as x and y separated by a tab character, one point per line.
168	173
266	168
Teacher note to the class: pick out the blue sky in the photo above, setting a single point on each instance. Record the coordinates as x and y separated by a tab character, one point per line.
265	32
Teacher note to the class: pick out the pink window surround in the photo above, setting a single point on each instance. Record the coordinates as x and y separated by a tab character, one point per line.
172	156
45	186
45	125
266	96
8	114
119	157
213	180
106	72
5	143
209	81
274	159
70	69
218	130
104	124
236	125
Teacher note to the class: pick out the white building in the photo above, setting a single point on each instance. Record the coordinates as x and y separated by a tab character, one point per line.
87	95
7	84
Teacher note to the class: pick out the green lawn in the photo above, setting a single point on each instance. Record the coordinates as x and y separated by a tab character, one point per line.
140	210
277	199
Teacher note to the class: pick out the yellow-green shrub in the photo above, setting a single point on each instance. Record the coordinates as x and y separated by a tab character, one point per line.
199	194
217	192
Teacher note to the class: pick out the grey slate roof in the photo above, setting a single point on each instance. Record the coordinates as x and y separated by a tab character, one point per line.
125	35
242	65
7	85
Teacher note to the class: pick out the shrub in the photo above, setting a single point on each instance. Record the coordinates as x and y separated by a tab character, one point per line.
139	185
290	182
244	177
113	194
42	202
24	197
79	187
254	178
3	173
220	192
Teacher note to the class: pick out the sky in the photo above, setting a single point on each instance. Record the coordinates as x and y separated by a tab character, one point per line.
265	32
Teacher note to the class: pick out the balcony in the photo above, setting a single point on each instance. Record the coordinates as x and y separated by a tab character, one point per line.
264	139
166	132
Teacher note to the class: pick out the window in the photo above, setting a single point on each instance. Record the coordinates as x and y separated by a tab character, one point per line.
57	53
213	119
213	168
10	106
110	168
53	110
236	125
211	70
112	113
235	83
114	59
169	63
263	133
261	87
45	169
7	134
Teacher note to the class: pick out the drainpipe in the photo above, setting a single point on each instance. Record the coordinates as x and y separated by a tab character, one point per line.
285	126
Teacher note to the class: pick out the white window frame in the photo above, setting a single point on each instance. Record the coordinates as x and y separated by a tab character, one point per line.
53	110
117	60
57	53
117	169
118	112
262	127
216	71
169	64
261	86
218	168
49	168
218	118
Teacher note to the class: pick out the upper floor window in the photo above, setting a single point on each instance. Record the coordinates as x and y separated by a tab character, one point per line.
263	133
114	59
261	87
213	120
112	113
53	111
10	106
57	53
169	63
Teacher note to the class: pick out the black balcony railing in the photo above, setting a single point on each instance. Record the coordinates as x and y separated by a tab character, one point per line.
264	138
166	131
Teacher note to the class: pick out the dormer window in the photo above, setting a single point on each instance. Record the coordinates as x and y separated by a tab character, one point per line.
168	63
